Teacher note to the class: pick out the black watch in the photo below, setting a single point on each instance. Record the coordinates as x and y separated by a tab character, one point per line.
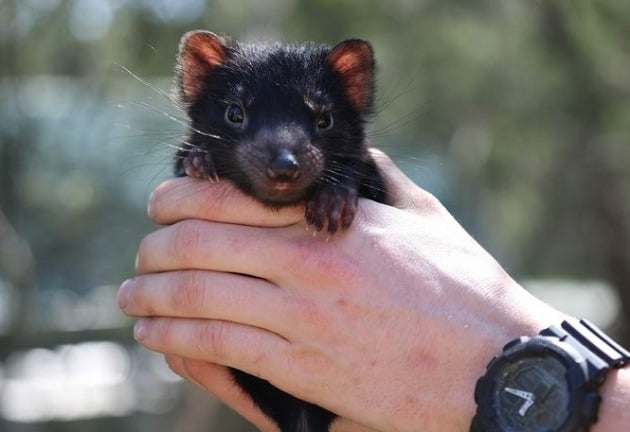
547	383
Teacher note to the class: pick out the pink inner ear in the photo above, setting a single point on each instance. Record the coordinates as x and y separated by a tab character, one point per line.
209	49
199	54
353	61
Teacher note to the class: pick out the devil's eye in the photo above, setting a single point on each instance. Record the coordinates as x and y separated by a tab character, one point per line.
234	115
325	120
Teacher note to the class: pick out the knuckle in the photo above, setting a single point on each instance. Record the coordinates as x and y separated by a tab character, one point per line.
190	294
425	201
211	339
210	202
215	201
186	241
315	259
163	331
309	254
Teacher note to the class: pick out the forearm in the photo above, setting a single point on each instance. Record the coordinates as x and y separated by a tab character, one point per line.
614	415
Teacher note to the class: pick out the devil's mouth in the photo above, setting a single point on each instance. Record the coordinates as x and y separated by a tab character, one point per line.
282	186
281	192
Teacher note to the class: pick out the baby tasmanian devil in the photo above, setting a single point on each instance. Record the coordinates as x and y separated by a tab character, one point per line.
285	124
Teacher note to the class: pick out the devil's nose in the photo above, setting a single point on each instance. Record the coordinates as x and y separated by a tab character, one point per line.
284	167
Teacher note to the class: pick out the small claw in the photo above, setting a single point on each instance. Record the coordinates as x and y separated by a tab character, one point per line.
333	208
314	216
348	215
318	225
334	213
199	165
190	169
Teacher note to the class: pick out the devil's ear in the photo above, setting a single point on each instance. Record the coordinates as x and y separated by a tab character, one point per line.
199	53
353	60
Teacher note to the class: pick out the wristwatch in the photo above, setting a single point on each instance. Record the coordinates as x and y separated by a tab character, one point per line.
547	383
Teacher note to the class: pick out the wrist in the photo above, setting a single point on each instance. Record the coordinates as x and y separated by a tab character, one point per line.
614	415
553	381
523	315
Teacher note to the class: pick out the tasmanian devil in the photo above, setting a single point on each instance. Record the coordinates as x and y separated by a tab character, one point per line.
285	124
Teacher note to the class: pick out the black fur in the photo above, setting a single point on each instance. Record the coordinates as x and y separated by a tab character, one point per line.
284	92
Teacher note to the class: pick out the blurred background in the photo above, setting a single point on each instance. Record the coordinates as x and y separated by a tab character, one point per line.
515	114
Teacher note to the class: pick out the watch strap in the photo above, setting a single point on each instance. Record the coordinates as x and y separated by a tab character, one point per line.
598	350
599	353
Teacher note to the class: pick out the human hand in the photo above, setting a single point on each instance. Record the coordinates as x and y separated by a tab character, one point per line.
388	324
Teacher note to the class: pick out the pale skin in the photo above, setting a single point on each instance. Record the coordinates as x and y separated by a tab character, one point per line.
388	324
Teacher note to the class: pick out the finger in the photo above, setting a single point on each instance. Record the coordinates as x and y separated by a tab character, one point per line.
217	380
209	246
243	347
401	190
223	296
283	256
186	198
205	295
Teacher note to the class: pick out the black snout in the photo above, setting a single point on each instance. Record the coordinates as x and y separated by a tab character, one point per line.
284	167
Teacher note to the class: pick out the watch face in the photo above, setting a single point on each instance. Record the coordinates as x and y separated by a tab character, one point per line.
532	395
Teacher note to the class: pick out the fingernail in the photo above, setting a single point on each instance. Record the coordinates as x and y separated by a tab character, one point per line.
140	330
123	293
150	205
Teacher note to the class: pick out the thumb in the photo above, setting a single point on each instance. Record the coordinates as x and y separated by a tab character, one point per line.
217	380
402	192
